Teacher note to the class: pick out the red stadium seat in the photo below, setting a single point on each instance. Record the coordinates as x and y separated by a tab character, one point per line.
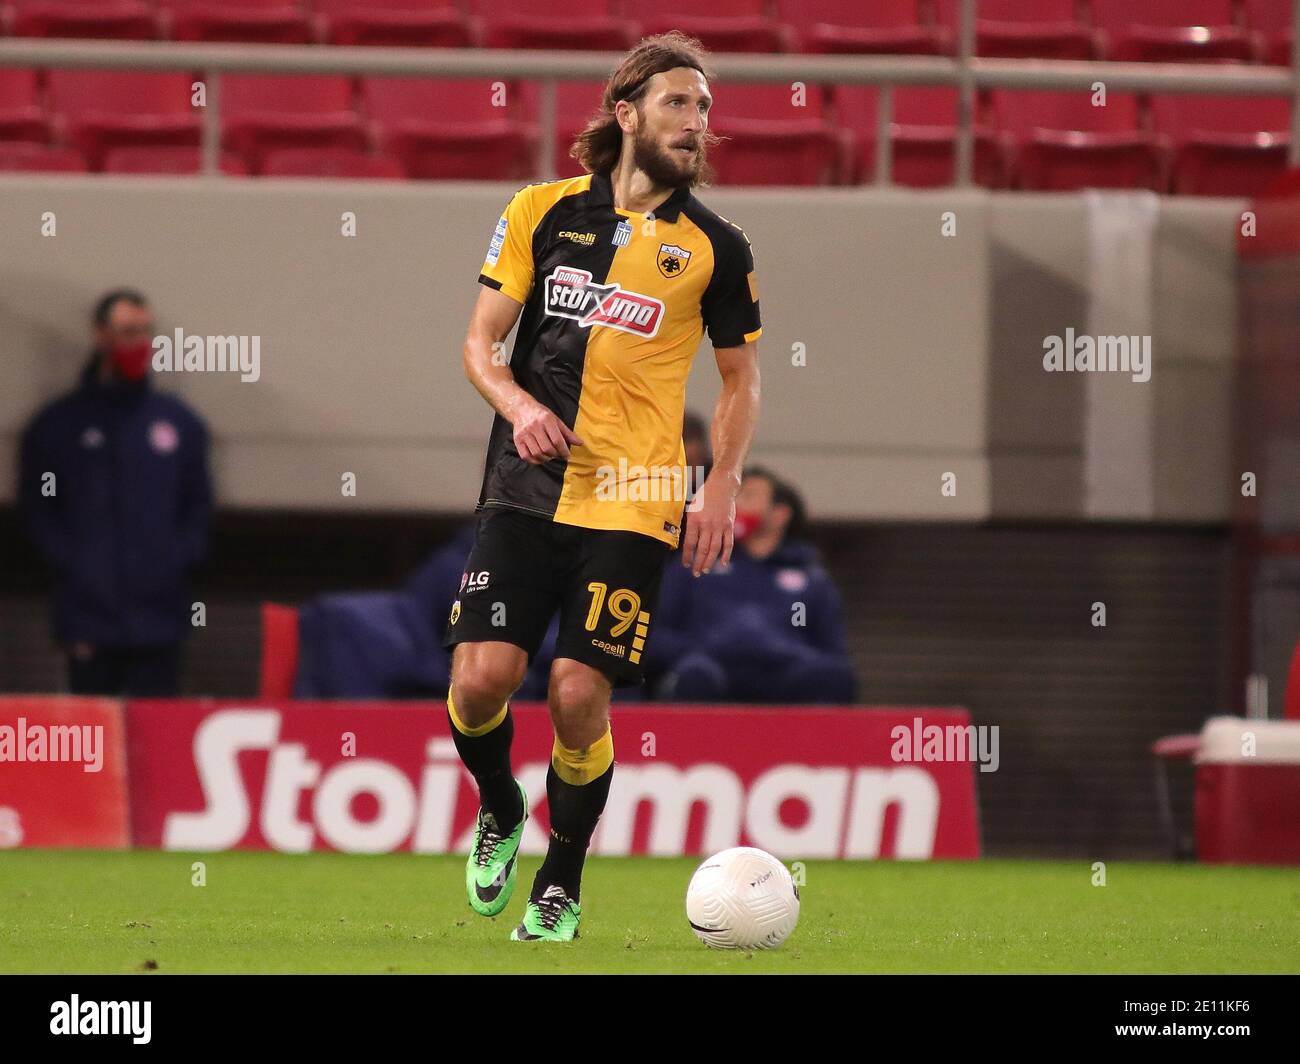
245	21
538	24
41	158
21	116
1199	31
1225	145
887	27
173	161
1273	19
923	137
330	162
103	20
1026	29
771	137
720	25
478	141
99	110
265	112
279	665
394	23
575	103
1063	142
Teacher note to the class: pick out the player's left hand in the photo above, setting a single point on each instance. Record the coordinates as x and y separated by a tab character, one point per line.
710	530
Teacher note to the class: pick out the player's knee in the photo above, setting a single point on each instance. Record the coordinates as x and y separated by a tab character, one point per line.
579	701
483	678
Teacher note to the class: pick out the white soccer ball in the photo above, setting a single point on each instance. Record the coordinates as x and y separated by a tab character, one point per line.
742	898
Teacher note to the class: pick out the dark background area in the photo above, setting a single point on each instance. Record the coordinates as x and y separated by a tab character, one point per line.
992	617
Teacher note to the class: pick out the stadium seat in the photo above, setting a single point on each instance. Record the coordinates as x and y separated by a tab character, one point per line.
244	21
393	23
1225	145
923	137
1026	29
97	110
720	25
480	140
279	664
537	24
887	27
87	19
1063	142
1164	31
20	156
21	115
1272	18
771	137
575	103
330	162
168	160
261	113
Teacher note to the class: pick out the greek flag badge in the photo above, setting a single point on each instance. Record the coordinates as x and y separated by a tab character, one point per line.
622	234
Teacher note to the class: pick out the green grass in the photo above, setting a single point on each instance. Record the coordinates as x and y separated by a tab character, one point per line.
81	911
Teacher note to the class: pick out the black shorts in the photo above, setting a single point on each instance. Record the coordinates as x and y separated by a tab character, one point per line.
522	568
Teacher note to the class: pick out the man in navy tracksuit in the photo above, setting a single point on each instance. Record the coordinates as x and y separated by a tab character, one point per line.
767	628
115	494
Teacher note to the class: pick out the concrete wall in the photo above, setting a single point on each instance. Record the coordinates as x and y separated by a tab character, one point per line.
923	350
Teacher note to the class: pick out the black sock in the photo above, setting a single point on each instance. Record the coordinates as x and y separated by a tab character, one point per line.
487	757
574	813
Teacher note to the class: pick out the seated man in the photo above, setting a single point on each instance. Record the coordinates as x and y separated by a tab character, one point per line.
767	628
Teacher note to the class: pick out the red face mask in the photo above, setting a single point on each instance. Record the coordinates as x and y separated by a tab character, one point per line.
132	360
746	522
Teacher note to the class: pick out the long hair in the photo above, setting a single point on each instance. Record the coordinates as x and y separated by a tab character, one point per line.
598	147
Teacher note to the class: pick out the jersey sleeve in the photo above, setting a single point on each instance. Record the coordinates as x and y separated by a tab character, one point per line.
729	305
509	264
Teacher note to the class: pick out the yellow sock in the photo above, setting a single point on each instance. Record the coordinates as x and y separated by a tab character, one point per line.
482	729
581	766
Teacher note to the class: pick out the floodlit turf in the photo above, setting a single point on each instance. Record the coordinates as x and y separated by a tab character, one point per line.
78	911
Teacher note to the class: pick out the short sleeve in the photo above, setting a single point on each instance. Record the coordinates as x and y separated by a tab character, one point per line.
729	305
509	263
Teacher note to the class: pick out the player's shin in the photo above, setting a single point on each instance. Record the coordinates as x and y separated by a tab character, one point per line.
485	751
577	787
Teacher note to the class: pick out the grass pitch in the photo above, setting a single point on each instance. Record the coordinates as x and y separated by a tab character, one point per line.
116	912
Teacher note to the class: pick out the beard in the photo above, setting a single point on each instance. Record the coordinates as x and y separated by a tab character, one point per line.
666	166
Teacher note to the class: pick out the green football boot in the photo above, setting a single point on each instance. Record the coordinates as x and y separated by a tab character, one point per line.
491	869
551	918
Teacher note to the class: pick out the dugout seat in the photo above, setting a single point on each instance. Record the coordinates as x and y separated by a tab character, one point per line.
97	110
279	665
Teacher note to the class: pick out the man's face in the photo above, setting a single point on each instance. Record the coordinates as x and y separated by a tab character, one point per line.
755	497
668	143
127	326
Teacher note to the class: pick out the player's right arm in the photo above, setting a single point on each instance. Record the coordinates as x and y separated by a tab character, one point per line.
507	278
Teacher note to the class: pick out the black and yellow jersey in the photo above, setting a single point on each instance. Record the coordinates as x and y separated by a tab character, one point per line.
615	304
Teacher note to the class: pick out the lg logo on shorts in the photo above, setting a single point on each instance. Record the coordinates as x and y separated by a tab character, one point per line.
473	582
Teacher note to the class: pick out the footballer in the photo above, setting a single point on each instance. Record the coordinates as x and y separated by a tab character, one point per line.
614	277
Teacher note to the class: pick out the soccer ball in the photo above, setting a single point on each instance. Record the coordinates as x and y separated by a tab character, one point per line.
742	898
